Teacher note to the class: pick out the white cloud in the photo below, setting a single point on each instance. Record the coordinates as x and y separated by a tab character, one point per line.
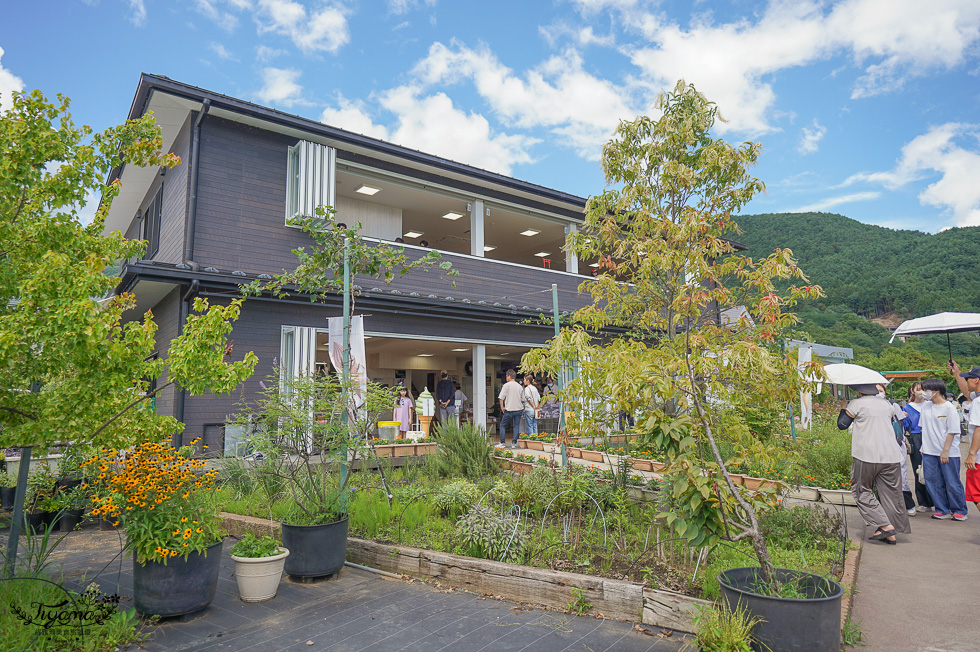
434	125
223	19
321	30
558	94
266	54
732	62
138	15
279	86
810	138
353	116
222	53
401	7
836	201
939	151
9	82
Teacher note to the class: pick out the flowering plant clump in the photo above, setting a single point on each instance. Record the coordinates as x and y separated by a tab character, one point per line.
160	495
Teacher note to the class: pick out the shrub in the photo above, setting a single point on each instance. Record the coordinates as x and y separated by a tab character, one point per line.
491	536
462	451
456	497
804	526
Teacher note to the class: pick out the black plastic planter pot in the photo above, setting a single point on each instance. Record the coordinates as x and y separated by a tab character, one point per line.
69	519
35	522
179	587
315	550
7	498
810	624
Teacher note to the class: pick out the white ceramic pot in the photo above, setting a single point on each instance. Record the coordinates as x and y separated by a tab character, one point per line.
258	577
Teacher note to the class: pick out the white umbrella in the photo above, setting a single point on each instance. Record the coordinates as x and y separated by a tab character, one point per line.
853	374
944	322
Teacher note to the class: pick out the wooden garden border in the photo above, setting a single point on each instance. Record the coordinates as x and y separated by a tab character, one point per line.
611	598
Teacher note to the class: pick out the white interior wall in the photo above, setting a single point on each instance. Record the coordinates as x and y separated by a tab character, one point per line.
377	221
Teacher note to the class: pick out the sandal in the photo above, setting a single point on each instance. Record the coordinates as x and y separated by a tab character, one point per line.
882	535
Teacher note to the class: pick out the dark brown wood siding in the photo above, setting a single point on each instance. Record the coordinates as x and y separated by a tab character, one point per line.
174	214
241	226
166	314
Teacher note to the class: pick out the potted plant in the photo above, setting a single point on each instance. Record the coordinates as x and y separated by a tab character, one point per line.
8	487
665	222
258	567
306	427
69	503
162	498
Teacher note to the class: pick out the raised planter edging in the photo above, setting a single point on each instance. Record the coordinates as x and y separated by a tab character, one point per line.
612	598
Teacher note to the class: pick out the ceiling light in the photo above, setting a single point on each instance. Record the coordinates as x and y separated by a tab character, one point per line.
530	232
593	264
413	234
453	215
459	349
488	248
365	189
425	355
543	254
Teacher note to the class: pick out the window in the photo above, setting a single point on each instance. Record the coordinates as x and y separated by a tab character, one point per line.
150	230
310	169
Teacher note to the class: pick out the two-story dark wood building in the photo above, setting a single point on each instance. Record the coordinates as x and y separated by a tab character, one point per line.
220	219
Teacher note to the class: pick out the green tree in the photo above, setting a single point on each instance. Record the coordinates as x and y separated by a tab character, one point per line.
662	227
70	369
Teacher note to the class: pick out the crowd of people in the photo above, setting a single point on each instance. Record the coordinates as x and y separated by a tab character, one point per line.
924	432
519	404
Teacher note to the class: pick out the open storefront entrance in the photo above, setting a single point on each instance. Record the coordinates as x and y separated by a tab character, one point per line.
416	363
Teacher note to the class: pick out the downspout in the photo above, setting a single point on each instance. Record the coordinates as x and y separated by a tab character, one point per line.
195	156
185	309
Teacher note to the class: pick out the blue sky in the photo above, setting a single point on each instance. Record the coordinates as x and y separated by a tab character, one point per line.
869	108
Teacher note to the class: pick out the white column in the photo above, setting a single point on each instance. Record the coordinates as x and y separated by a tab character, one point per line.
571	260
477	240
480	385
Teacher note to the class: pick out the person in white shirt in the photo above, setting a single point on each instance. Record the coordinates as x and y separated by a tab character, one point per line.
512	407
459	400
876	464
940	423
531	400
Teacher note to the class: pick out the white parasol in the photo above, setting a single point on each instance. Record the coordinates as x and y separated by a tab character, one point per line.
853	374
944	322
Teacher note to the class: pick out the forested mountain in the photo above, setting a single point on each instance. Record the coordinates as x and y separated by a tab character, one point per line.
870	272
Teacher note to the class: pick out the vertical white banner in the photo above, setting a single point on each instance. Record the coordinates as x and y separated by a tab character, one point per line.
358	359
805	354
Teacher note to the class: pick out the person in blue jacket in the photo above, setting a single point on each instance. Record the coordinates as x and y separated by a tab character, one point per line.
913	433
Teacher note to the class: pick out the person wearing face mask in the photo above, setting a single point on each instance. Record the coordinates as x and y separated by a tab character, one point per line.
913	433
876	464
941	452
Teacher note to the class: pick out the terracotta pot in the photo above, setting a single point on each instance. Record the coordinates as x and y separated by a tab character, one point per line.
658	466
535	445
754	484
522	443
403	450
384	450
737	479
641	465
574	452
